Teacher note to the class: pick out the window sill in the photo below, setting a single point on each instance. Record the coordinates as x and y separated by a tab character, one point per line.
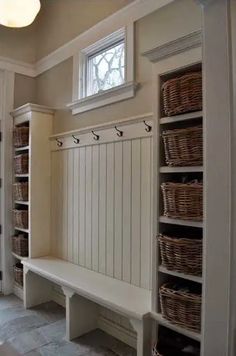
119	93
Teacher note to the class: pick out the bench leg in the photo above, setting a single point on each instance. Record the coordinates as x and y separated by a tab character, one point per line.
143	330
81	314
37	290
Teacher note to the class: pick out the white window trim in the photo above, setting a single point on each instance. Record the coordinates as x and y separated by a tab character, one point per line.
82	103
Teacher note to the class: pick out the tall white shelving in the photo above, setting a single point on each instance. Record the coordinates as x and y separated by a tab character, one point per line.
39	120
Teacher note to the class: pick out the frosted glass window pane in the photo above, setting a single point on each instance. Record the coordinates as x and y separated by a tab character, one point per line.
106	69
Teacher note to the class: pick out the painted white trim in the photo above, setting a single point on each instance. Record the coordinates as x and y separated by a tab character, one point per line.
26	108
19	67
179	45
125	16
119	93
7	101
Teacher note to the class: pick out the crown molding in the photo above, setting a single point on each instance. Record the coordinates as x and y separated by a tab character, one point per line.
20	67
184	43
29	107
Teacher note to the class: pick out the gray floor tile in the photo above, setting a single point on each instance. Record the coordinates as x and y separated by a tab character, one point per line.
28	341
54	332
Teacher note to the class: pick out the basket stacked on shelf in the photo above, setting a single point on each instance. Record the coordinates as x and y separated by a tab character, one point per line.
20	191
18	273
21	136
21	163
20	218
20	245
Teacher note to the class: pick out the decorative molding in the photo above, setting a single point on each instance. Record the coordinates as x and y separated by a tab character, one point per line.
24	109
19	67
192	40
119	93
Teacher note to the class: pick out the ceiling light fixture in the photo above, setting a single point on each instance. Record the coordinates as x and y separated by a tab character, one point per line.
18	13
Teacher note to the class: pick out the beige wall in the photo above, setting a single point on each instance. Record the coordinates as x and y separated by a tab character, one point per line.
25	90
61	20
54	88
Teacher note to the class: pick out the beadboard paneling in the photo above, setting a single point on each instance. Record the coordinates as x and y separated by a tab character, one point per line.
101	208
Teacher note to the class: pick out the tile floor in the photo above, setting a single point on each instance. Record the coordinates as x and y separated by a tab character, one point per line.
41	331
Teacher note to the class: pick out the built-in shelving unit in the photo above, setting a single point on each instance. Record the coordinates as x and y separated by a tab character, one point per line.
39	121
189	277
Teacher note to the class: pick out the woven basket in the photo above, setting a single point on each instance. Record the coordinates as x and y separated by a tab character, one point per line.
183	255
182	94
21	136
18	273
183	201
20	245
20	191
181	307
155	351
183	146
21	163
21	218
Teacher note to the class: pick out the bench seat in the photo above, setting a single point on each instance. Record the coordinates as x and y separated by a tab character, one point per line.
93	289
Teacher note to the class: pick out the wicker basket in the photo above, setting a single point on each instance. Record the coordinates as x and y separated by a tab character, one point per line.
20	245
155	351
183	146
183	255
181	307
20	191
21	163
182	94
18	273
21	218
183	201
21	136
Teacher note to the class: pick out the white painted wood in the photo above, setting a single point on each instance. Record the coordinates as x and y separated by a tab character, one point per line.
118	211
179	45
114	294
127	206
88	211
95	210
182	117
65	214
76	213
143	329
110	210
146	213
180	275
82	206
18	291
102	207
37	290
136	213
166	169
192	335
81	315
28	109
165	220
70	222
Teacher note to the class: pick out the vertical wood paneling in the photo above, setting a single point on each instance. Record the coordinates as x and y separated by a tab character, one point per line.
136	216
65	205
88	213
102	209
82	206
118	249
145	212
95	208
70	202
76	206
110	210
127	211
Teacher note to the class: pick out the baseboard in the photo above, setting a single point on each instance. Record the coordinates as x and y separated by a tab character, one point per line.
108	326
117	331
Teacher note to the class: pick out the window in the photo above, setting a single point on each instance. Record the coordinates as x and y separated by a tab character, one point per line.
106	69
103	72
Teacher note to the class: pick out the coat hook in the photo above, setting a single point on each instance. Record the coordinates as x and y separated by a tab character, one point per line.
95	136
59	143
119	132
76	140
148	128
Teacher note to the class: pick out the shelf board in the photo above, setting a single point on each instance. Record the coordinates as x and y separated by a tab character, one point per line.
159	318
165	220
187	169
18	257
20	229
21	202
20	149
22	175
180	275
184	117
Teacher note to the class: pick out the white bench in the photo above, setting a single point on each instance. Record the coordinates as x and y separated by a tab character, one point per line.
84	291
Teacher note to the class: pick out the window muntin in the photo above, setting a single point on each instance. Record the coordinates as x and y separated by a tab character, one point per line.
106	68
